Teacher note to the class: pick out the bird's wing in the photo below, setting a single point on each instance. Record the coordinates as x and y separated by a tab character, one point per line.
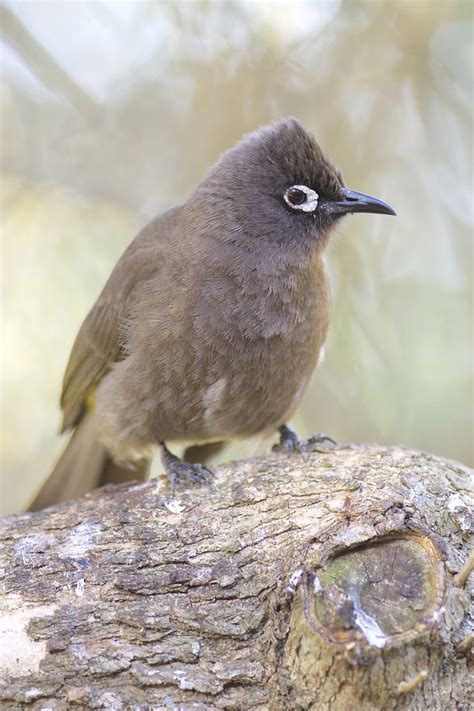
96	347
100	341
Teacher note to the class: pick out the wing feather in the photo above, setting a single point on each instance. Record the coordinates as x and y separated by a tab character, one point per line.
100	341
95	349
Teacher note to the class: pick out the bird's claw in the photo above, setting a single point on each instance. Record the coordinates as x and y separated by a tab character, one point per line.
179	472
290	442
313	443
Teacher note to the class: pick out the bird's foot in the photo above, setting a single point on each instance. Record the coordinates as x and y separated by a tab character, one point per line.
290	442
179	471
313	443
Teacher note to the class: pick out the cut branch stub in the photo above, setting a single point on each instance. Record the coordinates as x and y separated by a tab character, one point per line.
382	592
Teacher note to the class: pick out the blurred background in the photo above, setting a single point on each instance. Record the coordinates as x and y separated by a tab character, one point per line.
111	113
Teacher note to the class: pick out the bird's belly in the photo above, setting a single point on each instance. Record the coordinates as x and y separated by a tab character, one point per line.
250	411
259	393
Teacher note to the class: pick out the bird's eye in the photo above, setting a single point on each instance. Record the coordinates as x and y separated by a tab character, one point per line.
296	196
299	197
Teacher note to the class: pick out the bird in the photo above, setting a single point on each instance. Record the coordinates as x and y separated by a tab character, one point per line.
212	321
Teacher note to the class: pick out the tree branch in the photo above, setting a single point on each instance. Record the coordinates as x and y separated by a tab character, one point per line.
318	583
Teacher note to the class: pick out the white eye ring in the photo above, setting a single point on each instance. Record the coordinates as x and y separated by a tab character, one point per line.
311	202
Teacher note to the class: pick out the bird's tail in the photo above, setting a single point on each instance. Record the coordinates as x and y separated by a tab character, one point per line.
83	466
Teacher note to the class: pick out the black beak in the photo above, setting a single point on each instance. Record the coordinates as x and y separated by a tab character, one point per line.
356	202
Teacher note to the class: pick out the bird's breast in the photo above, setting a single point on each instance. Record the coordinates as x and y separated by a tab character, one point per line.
264	348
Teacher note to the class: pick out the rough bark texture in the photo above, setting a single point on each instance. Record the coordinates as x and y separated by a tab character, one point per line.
325	582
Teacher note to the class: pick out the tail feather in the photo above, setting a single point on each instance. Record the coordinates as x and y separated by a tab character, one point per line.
84	465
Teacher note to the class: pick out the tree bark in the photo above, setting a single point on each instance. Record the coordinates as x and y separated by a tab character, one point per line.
330	581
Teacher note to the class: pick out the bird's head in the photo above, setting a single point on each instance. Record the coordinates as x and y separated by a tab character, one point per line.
277	185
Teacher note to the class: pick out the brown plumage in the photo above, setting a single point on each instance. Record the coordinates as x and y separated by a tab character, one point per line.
212	321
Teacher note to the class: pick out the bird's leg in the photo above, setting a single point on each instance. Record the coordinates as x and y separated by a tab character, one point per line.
176	470
290	442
